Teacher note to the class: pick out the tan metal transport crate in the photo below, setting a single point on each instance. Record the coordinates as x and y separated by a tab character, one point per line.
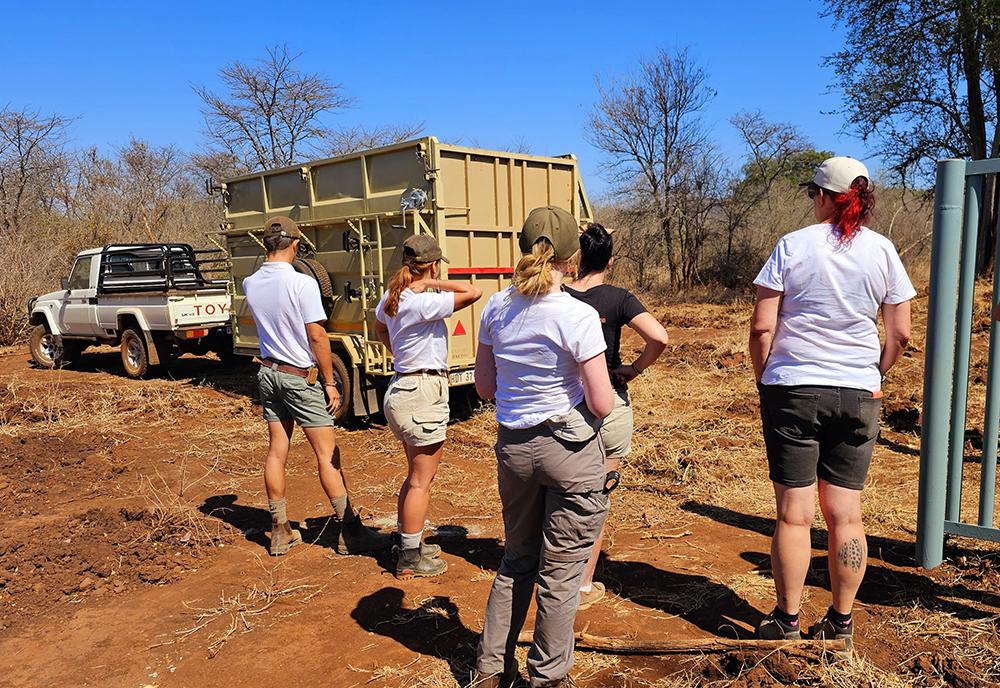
350	209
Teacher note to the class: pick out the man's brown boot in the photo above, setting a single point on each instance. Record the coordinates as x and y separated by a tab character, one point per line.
357	538
283	538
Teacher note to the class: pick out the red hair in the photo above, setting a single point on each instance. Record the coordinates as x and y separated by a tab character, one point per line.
404	277
852	208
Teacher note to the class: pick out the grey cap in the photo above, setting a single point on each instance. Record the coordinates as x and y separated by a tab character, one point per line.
555	224
422	248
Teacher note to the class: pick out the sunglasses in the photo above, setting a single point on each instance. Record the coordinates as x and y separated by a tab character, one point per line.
812	192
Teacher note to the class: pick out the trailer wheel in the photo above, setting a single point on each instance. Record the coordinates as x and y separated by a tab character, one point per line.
135	354
343	380
315	269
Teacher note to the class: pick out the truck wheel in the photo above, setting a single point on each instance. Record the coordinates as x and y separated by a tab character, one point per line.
343	380
135	354
44	350
315	269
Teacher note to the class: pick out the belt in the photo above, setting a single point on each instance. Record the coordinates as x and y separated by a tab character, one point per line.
284	367
441	373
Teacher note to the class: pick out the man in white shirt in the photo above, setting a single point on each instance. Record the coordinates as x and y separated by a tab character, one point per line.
295	351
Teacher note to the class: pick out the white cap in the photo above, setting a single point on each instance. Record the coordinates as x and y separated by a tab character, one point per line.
837	174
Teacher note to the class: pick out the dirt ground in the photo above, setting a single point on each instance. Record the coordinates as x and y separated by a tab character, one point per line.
134	531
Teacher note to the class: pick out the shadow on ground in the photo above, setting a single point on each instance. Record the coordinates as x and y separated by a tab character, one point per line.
882	585
435	628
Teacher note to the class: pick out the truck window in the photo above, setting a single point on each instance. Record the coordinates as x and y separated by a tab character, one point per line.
79	278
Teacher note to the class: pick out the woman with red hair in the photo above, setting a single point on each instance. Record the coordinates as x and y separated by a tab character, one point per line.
819	366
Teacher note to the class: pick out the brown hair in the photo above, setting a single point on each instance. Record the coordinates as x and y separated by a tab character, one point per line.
404	277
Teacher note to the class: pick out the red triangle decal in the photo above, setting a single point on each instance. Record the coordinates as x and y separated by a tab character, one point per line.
458	329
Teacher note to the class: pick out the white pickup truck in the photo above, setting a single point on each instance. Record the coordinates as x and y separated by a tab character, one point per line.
153	300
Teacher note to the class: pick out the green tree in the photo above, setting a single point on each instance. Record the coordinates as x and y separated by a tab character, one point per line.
919	81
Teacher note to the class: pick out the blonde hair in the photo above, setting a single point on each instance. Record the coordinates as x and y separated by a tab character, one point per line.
404	277
533	274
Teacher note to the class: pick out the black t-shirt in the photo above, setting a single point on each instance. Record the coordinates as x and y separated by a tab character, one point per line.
616	307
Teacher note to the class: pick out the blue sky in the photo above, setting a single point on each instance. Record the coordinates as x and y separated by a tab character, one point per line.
484	73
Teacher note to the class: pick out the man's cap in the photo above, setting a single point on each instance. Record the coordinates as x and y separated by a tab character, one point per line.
837	174
422	248
555	224
281	226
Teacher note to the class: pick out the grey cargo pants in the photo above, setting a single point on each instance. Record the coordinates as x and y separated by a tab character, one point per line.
553	511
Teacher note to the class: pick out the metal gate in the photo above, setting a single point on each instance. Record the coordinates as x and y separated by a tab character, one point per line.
957	205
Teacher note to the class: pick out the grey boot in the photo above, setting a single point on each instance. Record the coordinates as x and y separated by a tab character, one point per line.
410	563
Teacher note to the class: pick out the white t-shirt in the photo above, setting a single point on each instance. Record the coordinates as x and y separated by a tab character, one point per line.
539	343
282	301
418	332
826	331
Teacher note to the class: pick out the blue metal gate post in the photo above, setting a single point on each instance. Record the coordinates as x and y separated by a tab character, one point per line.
939	363
963	339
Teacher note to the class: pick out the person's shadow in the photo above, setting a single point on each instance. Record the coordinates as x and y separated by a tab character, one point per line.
434	628
255	523
696	599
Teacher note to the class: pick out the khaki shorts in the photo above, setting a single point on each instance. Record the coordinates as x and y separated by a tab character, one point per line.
617	429
416	407
289	397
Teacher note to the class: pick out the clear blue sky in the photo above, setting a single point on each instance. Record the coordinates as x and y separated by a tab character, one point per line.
490	74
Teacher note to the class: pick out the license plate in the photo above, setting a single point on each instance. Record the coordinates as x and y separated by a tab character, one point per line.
461	377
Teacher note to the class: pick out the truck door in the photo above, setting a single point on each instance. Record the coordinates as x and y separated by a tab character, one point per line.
78	315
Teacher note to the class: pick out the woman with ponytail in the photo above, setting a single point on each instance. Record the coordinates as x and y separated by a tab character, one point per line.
410	321
541	356
819	366
617	308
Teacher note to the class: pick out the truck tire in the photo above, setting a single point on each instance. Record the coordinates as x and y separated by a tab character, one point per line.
135	354
48	351
44	351
343	380
313	268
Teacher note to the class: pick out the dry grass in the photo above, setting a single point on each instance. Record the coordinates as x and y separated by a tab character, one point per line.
176	516
246	610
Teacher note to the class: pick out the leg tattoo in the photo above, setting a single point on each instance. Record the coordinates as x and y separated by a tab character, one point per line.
851	554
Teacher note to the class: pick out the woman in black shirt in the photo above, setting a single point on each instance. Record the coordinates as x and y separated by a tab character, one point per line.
616	307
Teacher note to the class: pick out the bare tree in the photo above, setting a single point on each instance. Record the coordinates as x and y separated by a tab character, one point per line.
271	113
358	138
31	159
777	153
649	125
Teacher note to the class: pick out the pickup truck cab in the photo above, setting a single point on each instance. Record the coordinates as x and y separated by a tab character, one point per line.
153	300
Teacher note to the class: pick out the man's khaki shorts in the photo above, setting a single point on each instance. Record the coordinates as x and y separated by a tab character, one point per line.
289	397
617	429
416	407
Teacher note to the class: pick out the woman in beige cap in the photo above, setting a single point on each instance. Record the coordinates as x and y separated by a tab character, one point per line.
410	321
541	356
819	368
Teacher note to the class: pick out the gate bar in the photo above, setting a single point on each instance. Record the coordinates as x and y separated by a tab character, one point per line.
940	361
991	420
963	339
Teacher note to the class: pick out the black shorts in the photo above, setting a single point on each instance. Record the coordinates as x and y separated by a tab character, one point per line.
825	432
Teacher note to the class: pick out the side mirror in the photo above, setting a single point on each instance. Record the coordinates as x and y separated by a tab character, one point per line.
64	283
